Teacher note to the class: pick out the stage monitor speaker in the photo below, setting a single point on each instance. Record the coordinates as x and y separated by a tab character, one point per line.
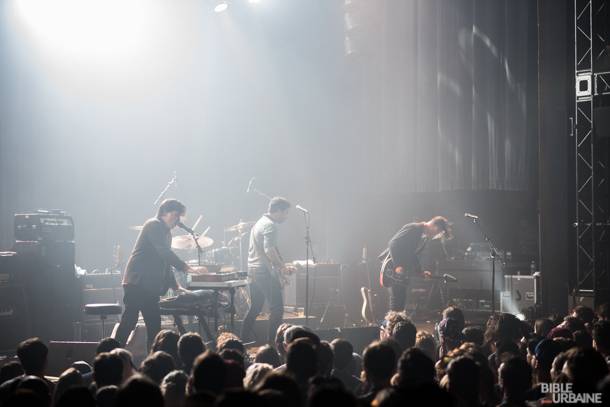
14	317
63	353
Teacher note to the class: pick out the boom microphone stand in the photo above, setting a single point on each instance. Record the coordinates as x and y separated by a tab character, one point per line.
162	194
493	253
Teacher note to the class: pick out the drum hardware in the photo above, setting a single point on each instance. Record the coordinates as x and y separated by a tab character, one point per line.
186	242
240	227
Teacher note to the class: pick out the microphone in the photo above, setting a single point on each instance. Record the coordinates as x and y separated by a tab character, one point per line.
250	185
185	228
471	216
299	207
449	277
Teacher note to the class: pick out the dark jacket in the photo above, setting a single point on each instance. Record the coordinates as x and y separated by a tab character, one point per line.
405	245
149	266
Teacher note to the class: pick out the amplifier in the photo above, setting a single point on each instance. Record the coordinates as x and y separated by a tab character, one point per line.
44	225
520	294
8	267
56	255
324	284
473	274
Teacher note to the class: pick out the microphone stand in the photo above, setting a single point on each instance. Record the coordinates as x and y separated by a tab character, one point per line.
493	253
162	194
264	195
308	251
199	249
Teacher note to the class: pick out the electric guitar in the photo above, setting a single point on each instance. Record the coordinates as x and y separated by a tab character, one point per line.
368	311
389	276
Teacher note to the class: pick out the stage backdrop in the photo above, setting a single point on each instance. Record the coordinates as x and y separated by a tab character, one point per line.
370	114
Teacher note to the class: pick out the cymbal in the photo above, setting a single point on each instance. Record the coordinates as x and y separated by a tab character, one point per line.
186	242
240	227
137	228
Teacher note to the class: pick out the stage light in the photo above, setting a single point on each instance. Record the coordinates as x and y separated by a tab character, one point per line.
106	32
221	6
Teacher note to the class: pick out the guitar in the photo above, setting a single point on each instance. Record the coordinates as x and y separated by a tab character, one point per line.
284	274
389	275
367	312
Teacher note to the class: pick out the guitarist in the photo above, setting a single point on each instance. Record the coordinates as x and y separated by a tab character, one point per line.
400	259
266	269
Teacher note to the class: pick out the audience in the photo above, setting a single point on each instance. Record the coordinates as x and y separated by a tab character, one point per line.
129	369
106	396
325	358
157	365
173	388
139	391
507	365
267	354
107	370
601	339
301	362
107	345
255	374
68	379
190	345
414	369
400	328
76	397
515	379
343	359
280	344
209	374
379	363
463	381
166	341
10	370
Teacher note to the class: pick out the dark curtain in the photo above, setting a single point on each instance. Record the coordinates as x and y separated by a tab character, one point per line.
445	93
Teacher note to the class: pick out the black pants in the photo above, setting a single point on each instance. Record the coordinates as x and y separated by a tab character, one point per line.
137	299
264	287
398	297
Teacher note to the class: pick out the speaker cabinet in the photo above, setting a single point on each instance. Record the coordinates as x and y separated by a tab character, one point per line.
14	317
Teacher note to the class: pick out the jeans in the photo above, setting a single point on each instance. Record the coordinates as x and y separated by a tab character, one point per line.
137	299
264	287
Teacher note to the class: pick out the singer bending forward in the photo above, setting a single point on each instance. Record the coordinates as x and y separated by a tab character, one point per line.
148	274
265	267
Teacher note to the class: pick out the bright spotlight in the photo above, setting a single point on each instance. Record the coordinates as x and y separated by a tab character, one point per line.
221	6
254	1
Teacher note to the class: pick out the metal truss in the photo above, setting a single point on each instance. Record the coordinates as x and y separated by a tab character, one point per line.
591	151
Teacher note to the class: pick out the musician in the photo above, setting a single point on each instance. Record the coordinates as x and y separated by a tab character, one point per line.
148	273
265	266
403	250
